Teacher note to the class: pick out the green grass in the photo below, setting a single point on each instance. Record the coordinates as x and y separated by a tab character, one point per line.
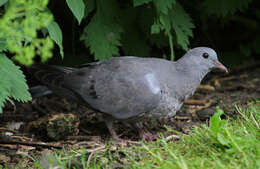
233	143
230	143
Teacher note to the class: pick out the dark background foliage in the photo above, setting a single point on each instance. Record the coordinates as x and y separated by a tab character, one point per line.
235	36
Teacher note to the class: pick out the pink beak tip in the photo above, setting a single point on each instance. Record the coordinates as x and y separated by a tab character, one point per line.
221	67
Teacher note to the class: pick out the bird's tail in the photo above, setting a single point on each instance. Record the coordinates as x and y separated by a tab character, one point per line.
50	75
39	91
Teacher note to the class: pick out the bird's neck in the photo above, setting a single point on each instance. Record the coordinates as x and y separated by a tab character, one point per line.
197	72
191	75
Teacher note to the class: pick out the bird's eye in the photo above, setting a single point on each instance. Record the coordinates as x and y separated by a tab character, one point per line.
205	55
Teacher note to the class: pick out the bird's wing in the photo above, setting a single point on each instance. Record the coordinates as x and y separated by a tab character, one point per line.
121	88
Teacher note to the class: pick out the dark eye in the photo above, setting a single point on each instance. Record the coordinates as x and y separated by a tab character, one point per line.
205	55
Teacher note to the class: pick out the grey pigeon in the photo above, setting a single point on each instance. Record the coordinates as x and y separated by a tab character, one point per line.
131	88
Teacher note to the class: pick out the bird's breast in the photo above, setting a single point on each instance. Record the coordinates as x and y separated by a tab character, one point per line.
168	106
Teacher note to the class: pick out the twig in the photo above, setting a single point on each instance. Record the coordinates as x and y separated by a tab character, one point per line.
79	138
195	102
89	158
30	143
206	87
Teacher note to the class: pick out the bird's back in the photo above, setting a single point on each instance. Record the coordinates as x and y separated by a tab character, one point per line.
123	87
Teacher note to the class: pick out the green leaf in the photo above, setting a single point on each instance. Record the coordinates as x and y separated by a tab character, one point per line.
141	2
56	35
5	89
222	140
164	6
2	2
103	34
176	20
222	8
182	25
155	29
3	45
103	39
77	7
215	121
13	84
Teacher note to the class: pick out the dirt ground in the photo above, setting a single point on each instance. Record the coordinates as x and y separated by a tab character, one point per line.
29	130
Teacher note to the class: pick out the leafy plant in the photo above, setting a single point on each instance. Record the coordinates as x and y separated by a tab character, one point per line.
12	84
18	30
217	125
227	136
103	35
56	34
19	26
178	21
77	7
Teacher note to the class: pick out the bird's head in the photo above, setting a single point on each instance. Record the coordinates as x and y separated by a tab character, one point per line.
205	59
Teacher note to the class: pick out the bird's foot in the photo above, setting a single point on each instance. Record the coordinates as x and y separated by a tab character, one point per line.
124	142
118	139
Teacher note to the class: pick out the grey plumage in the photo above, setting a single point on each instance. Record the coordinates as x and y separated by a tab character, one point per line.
130	87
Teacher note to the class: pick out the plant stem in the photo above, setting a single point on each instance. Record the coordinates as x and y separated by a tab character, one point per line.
171	45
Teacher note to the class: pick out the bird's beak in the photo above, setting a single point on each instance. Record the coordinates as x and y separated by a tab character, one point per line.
220	66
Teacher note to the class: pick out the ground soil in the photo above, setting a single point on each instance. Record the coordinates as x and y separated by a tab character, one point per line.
30	130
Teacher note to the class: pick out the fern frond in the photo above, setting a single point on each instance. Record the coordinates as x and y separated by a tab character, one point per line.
102	35
3	45
5	89
102	39
182	25
13	84
176	20
164	6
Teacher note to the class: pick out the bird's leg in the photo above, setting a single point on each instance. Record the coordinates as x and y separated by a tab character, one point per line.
144	134
109	123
